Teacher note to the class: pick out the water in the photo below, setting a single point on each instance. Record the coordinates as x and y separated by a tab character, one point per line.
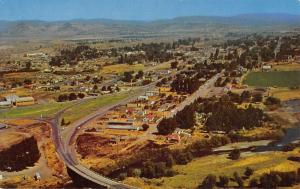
292	135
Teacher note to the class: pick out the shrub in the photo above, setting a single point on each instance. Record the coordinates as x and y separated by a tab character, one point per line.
166	126
238	179
224	180
209	182
145	127
248	172
235	154
253	183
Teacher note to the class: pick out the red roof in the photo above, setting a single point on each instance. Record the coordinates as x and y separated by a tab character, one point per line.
173	137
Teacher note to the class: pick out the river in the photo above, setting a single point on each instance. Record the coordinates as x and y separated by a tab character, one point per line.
291	135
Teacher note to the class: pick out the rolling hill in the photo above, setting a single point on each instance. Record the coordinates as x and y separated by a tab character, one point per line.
105	28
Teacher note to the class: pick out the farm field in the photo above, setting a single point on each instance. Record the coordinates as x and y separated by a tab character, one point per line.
287	67
121	68
191	175
286	94
273	79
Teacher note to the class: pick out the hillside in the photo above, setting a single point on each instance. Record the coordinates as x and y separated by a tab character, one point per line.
105	28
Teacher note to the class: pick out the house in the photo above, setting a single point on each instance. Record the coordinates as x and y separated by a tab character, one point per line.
266	68
143	98
24	101
4	104
37	176
151	93
3	126
120	125
11	98
173	138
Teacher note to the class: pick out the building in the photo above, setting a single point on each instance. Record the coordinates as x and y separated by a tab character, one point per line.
173	138
266	68
11	98
121	125
5	104
3	126
24	101
151	93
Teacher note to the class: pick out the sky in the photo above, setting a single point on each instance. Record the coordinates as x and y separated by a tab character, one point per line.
51	10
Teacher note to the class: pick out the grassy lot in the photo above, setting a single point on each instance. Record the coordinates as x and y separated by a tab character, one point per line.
121	68
35	111
287	67
86	108
192	174
286	94
273	79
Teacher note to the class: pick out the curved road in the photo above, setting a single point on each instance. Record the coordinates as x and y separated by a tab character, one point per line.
65	147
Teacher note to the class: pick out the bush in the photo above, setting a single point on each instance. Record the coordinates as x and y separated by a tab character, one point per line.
289	147
224	180
235	154
238	179
253	183
122	176
136	173
271	180
166	126
145	127
272	101
209	182
248	172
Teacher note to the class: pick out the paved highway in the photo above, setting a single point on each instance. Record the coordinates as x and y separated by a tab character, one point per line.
65	147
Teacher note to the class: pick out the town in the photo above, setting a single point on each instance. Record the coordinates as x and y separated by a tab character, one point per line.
215	109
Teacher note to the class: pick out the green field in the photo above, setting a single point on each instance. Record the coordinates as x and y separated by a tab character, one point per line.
75	112
80	110
273	79
35	111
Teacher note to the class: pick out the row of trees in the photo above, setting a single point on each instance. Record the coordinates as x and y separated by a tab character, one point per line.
211	180
70	97
73	56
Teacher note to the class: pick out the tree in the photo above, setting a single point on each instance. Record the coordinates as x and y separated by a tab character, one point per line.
272	101
253	183
145	127
174	65
72	96
139	75
95	88
224	180
248	172
209	182
127	77
170	161
166	126
271	180
104	88
235	154
238	179
28	65
63	122
27	81
246	95
81	95
257	97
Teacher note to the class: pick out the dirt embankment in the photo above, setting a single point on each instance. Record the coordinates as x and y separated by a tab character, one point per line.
21	154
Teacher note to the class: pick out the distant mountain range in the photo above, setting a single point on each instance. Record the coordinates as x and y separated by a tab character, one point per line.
105	28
